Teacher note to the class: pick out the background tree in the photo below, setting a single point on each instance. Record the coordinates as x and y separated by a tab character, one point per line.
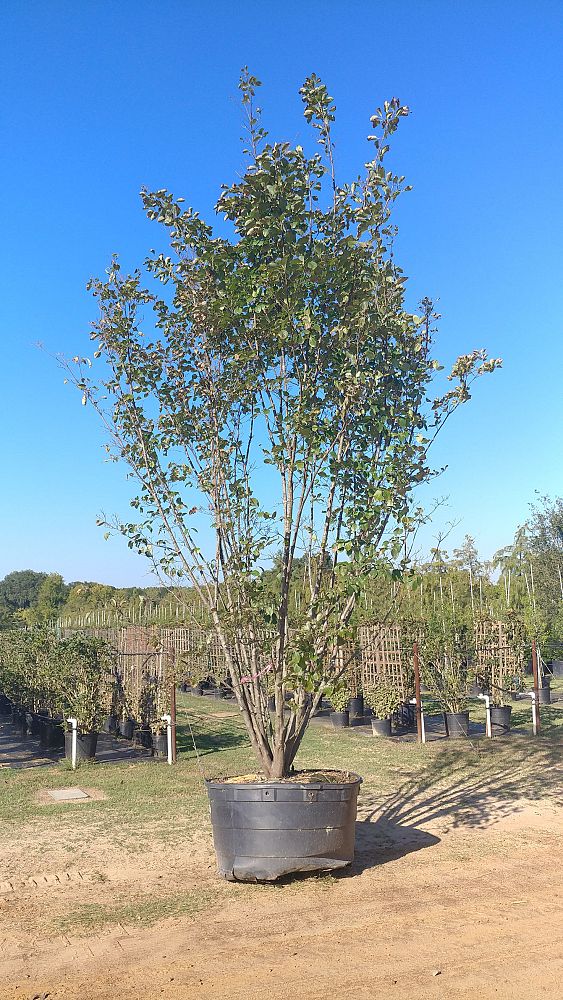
51	598
277	391
20	590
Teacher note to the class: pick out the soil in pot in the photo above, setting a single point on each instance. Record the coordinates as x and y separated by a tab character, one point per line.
500	719
263	830
85	745
340	719
356	707
381	727
457	724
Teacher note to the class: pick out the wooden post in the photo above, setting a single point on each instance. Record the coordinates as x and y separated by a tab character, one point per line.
417	692
536	684
173	715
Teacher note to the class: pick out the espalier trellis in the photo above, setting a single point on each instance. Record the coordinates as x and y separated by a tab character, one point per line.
267	384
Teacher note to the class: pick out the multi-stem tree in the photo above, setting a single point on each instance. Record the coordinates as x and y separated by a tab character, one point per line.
269	382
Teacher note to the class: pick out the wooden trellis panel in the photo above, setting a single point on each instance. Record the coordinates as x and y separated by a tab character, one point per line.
384	657
499	653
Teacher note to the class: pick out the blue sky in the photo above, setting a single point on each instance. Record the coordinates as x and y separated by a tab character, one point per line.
100	98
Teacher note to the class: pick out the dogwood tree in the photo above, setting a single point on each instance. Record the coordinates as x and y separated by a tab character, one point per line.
264	380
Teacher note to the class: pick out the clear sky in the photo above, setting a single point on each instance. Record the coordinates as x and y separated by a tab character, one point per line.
98	98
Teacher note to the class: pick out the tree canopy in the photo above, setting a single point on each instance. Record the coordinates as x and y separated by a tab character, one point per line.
272	387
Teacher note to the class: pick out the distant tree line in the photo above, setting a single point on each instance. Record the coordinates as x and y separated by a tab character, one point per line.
525	577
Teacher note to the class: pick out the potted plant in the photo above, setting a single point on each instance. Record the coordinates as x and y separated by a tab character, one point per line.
339	699
84	689
499	665
356	701
384	700
283	402
444	662
153	704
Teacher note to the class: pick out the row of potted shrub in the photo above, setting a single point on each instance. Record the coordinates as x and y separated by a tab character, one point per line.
384	701
46	679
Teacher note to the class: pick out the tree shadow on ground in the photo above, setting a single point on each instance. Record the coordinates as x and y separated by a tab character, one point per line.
478	792
458	792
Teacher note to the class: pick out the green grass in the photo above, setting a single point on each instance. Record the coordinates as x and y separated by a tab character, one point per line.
90	918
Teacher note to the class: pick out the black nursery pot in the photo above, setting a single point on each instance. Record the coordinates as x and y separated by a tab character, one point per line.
356	707
500	720
19	719
51	734
126	728
340	719
110	724
144	738
265	829
34	720
544	694
381	727
160	744
85	745
457	724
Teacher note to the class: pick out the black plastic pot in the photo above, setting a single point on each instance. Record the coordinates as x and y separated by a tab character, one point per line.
381	727
19	720
160	744
500	720
143	737
126	727
356	707
340	719
110	724
85	745
51	734
265	829
34	723
457	724
544	695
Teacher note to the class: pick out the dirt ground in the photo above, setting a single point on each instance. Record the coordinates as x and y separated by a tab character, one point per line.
431	908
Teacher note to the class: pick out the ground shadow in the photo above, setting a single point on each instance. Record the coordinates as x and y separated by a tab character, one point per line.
473	793
381	840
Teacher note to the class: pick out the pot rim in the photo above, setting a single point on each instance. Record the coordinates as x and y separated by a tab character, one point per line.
284	782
